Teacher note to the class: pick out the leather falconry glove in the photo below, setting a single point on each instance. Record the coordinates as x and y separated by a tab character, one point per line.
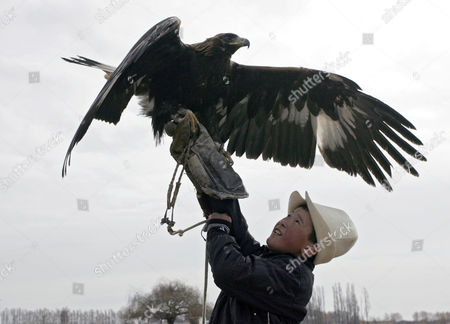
205	164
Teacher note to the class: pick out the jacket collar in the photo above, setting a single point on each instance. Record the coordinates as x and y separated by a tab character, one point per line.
309	262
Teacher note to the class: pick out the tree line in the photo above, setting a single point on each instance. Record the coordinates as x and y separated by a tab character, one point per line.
58	316
348	308
172	301
176	302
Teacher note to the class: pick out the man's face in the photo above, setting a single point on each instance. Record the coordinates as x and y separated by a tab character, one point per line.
291	233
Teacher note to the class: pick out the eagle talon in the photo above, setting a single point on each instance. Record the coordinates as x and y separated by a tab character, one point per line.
227	156
183	115
193	121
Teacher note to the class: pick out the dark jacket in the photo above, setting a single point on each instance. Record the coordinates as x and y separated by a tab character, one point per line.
258	285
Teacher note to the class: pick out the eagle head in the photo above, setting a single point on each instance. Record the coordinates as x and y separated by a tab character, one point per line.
226	43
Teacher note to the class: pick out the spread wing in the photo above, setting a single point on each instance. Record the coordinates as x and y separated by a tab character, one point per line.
281	113
149	55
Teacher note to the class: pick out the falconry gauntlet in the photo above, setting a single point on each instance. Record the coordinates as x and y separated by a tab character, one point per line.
206	166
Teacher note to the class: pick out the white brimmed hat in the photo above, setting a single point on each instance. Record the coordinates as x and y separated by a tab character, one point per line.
335	231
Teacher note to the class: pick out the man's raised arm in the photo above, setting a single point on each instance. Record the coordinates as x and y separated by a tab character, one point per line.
238	227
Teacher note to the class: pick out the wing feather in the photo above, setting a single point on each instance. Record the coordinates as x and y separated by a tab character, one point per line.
277	113
146	57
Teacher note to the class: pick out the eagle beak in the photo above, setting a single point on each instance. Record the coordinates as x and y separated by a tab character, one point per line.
241	42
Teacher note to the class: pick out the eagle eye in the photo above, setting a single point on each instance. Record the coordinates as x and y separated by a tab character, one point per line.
228	37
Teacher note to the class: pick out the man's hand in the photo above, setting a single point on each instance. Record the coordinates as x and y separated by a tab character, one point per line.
224	217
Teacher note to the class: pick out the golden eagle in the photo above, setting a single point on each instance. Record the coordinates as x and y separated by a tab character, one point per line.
276	113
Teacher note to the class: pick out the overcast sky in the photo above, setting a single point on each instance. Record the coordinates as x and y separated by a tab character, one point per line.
56	234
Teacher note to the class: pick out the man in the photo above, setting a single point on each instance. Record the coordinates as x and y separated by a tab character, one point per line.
271	283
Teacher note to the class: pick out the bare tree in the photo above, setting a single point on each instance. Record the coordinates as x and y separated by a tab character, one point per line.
338	301
138	308
65	316
316	307
365	305
421	317
346	307
167	301
195	311
396	317
172	300
352	306
393	317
